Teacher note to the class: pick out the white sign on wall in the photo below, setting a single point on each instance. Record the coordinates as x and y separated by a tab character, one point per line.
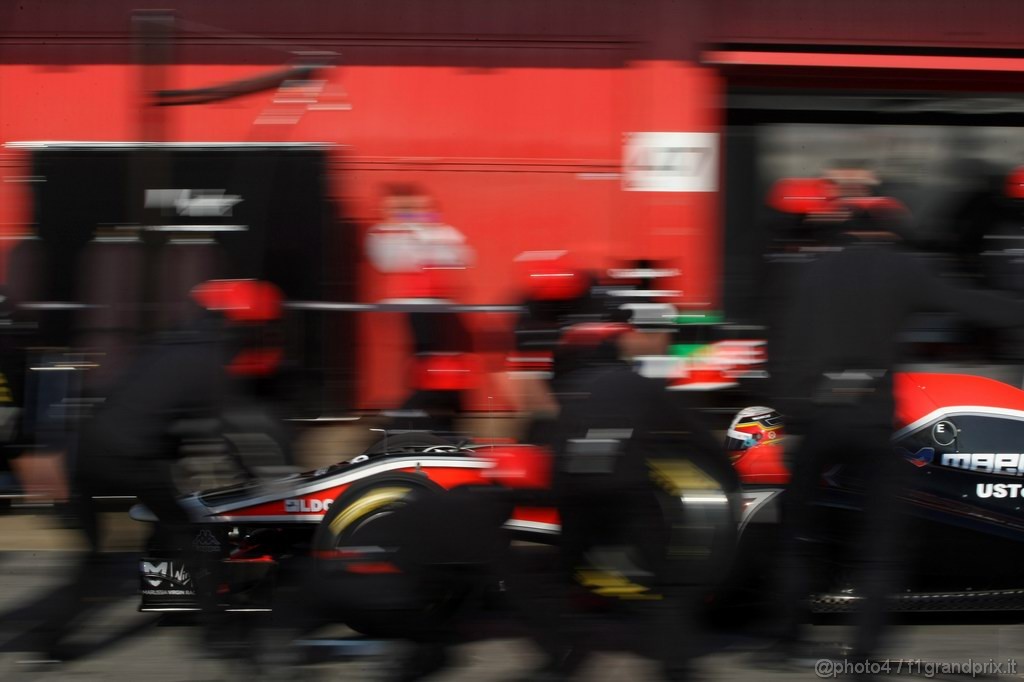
670	162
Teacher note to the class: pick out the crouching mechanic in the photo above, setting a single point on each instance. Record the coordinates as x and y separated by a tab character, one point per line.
647	504
130	446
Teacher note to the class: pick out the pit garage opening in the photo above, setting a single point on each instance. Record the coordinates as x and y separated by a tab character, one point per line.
122	231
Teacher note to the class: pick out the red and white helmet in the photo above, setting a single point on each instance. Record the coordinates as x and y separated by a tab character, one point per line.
754	427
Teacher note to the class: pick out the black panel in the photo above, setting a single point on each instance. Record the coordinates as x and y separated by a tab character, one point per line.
293	235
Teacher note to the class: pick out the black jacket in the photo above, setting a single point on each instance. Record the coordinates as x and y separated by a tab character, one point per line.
614	403
182	377
845	313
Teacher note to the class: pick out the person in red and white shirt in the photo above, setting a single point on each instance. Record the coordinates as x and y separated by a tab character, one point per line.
422	258
418	252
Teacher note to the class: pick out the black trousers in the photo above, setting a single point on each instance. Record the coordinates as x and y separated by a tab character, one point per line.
846	436
664	627
434	333
152	482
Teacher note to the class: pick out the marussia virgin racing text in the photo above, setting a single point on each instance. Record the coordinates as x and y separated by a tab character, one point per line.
165	578
1003	463
1000	489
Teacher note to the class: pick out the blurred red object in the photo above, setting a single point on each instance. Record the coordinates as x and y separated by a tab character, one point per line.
529	361
240	300
1015	183
589	334
551	278
702	379
446	372
520	466
251	305
256	362
879	206
43	476
426	283
803	196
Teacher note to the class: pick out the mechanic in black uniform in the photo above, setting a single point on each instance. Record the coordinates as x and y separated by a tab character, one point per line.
832	350
451	549
13	361
619	526
556	294
129	448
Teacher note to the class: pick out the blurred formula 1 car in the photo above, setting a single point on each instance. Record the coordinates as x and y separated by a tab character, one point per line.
342	519
962	438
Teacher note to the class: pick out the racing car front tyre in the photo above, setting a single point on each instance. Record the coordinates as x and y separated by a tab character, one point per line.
354	550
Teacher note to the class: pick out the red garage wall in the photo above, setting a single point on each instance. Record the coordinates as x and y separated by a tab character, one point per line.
512	114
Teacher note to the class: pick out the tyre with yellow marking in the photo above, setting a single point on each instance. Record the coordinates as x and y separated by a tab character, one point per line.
355	550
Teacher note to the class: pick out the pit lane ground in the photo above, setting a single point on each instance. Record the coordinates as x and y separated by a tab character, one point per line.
136	647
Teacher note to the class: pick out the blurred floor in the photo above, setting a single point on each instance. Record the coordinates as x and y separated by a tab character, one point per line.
34	557
167	654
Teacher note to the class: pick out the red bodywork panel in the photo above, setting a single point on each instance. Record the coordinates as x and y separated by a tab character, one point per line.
320	501
447	477
920	398
918	395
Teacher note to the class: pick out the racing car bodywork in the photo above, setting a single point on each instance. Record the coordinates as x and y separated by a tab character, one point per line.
962	438
342	519
249	527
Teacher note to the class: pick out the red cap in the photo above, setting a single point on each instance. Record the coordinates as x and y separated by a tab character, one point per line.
803	195
551	278
520	466
240	300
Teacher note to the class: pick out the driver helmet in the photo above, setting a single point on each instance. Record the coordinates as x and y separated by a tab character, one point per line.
753	427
